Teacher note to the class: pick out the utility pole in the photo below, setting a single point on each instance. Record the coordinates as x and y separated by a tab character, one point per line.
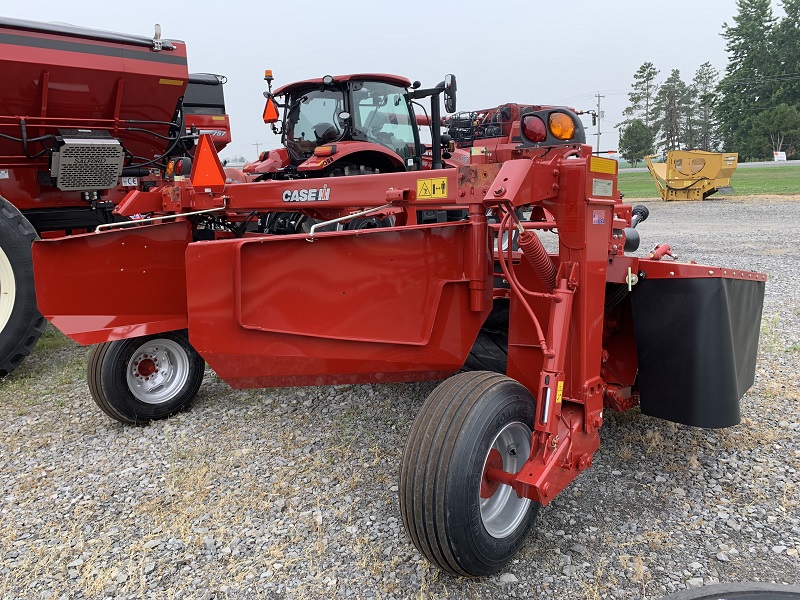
257	144
599	116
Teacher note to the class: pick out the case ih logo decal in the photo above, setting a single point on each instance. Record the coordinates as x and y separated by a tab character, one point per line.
312	195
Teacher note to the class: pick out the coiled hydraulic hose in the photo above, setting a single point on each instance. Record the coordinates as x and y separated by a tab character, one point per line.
534	251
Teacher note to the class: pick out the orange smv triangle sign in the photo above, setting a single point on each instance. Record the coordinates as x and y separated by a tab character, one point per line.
270	111
206	170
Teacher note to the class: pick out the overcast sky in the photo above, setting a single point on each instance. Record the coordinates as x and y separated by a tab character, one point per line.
529	52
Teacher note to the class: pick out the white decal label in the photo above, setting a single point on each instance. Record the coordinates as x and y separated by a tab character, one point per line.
3	174
602	187
310	195
130	181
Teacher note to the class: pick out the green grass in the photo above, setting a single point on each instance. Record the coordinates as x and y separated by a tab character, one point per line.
52	339
746	182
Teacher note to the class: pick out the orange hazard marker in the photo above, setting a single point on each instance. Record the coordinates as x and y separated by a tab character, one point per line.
270	112
206	170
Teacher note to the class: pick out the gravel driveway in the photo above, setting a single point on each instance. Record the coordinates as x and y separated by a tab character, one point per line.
292	493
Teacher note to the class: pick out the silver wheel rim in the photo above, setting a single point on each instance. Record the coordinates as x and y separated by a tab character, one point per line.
504	511
157	371
8	289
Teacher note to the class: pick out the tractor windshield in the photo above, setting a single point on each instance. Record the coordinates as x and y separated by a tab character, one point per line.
381	114
313	120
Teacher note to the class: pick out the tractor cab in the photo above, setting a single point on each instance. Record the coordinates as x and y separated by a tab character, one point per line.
348	124
351	120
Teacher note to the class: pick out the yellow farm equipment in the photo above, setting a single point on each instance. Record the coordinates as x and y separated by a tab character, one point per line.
693	174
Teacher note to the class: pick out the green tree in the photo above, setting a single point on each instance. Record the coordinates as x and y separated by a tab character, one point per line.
635	141
642	94
749	83
773	130
786	43
672	104
704	92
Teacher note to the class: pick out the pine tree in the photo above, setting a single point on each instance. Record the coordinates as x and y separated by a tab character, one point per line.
670	108
703	90
786	42
642	94
749	82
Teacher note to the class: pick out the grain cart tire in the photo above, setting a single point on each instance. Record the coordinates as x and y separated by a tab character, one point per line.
21	325
456	517
144	379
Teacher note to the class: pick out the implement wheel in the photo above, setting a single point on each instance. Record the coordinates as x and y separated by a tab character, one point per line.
143	379
455	516
21	325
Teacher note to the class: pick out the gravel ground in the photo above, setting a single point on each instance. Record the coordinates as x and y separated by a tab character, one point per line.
292	493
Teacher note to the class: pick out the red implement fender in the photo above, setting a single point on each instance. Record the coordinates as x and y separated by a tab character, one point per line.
351	307
116	284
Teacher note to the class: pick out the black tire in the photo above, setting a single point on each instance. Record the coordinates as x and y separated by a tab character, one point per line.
131	390
367	223
490	350
441	474
739	591
21	325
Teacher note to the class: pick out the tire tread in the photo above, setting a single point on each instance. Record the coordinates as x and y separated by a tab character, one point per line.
447	411
12	357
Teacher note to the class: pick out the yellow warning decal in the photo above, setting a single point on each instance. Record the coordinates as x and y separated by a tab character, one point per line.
170	81
213	118
432	188
603	165
559	392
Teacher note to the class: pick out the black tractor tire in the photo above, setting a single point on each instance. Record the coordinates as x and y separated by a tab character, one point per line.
739	591
367	223
21	325
455	517
143	379
490	350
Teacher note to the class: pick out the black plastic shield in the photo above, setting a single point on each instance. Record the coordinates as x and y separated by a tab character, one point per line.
697	341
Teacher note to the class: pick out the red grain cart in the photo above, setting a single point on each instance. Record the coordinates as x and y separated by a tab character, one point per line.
85	117
561	337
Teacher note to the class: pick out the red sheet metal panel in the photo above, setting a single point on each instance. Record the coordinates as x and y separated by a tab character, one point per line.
373	305
117	284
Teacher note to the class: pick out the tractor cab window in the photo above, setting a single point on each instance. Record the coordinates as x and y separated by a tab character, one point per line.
312	120
381	115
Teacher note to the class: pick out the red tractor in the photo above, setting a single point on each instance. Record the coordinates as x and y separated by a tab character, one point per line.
365	124
588	328
346	125
85	117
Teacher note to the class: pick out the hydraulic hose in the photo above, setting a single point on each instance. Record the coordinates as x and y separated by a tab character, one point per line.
534	251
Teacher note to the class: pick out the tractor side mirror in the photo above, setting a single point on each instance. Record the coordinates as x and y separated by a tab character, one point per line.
450	93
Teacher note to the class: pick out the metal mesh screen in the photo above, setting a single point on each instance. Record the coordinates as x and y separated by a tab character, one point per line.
87	164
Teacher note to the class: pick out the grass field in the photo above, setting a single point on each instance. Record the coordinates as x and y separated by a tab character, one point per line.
746	182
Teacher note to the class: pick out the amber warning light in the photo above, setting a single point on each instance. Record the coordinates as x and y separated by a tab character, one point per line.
562	126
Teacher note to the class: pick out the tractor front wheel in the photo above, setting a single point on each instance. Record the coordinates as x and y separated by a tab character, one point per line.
143	379
460	520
